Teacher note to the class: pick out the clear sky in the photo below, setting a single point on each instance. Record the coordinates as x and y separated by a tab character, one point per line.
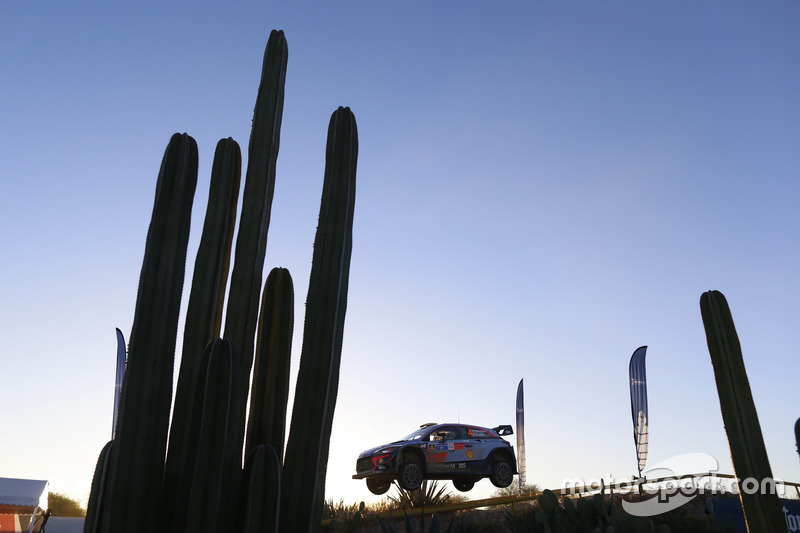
542	188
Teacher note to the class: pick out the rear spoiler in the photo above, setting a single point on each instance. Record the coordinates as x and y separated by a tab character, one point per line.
503	430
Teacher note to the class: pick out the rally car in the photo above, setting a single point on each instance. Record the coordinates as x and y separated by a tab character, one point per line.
458	452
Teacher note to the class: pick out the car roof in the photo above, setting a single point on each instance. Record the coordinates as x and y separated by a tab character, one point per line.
434	427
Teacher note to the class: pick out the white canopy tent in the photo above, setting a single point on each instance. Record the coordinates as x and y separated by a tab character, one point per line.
22	497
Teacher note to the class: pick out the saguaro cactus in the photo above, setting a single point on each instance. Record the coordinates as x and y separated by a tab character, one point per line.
762	509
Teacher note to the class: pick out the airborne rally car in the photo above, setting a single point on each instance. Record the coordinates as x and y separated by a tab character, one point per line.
458	452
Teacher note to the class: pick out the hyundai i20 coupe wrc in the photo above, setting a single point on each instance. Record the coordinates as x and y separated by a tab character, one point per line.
461	453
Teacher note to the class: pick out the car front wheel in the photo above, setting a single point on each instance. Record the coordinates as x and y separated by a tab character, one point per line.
378	485
410	476
502	474
463	485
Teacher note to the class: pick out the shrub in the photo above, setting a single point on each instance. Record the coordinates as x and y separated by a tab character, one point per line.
62	505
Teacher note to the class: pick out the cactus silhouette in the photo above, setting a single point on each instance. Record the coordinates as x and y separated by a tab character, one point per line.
762	512
199	485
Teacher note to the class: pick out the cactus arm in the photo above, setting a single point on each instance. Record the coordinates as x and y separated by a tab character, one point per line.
260	493
91	523
203	315
269	395
344	154
210	279
204	312
306	457
251	242
216	466
762	511
136	464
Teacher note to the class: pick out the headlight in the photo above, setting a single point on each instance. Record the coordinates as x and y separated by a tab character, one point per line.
383	451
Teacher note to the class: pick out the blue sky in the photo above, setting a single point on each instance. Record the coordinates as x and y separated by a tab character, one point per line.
542	188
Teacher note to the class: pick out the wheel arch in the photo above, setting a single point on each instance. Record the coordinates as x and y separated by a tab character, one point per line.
504	455
410	453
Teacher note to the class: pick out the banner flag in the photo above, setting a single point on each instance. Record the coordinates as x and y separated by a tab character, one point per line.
520	436
121	361
638	379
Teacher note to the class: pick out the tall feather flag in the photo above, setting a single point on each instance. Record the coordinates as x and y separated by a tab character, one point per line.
638	379
520	436
121	360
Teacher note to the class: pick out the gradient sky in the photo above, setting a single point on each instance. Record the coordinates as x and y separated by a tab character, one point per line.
542	188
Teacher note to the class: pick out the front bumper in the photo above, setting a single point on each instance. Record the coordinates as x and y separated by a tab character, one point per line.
376	465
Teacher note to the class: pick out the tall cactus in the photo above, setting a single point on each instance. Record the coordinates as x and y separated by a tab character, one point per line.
201	482
762	511
318	377
251	242
136	462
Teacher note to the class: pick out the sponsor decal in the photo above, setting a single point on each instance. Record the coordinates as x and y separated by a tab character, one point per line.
445	447
470	454
437	457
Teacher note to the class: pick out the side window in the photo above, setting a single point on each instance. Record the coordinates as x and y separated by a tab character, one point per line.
475	433
459	433
447	433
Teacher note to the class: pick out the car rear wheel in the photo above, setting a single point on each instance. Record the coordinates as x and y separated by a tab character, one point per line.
502	474
463	485
410	475
378	485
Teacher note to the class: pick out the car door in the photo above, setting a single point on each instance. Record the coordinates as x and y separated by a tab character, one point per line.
446	452
477	446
